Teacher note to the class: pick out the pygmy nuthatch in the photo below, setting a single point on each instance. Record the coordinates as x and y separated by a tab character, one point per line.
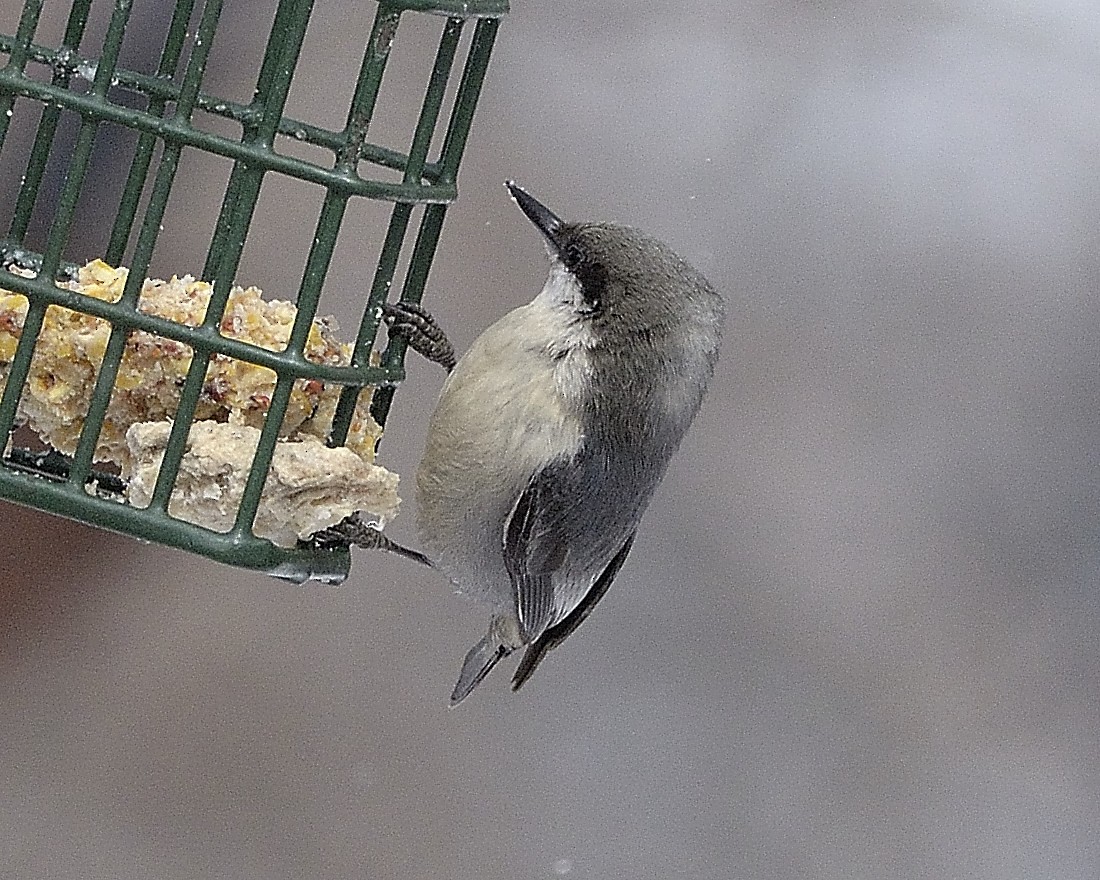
553	431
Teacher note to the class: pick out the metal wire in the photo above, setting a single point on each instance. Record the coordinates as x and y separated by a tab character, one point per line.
166	119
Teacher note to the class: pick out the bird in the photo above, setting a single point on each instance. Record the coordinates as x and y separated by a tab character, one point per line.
553	431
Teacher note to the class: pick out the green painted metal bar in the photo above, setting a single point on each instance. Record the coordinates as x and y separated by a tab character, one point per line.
399	221
19	50
469	90
74	502
143	152
459	8
47	126
261	461
309	294
39	291
32	323
58	235
383	32
162	90
247	175
147	239
250	153
272	88
360	112
20	367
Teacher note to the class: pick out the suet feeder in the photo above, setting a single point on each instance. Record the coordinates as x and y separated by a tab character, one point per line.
172	116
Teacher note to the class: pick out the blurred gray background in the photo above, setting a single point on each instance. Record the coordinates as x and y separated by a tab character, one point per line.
857	637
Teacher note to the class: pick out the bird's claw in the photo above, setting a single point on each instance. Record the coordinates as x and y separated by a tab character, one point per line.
418	328
354	531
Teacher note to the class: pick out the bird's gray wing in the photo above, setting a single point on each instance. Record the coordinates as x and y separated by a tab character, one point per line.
535	545
558	633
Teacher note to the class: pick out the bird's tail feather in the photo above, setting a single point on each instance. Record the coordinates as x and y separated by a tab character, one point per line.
479	661
532	657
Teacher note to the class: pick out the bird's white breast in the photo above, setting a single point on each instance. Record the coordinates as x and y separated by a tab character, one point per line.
510	407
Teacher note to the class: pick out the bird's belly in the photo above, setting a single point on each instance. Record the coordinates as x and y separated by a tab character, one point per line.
474	468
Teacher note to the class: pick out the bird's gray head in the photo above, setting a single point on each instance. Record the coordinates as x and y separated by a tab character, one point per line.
628	282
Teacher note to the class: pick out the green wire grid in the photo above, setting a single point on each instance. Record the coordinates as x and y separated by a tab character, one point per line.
70	487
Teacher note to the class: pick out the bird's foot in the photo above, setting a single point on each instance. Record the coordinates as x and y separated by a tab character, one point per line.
354	531
418	328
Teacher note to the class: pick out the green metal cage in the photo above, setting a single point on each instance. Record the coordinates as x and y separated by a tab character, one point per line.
88	83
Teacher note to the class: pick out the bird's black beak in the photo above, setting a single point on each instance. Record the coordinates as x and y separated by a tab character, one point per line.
548	223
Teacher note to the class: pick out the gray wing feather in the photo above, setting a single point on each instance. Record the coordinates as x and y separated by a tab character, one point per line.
559	632
571	527
533	550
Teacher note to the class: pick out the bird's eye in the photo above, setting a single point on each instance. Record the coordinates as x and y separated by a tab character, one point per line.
572	255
